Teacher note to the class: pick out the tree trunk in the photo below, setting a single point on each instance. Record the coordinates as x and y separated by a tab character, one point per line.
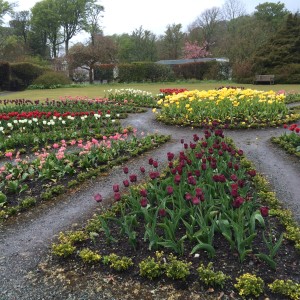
91	75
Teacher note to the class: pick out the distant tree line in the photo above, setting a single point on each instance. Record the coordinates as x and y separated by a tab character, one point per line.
265	41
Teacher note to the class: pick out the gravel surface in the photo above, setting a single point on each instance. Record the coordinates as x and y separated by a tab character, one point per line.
25	242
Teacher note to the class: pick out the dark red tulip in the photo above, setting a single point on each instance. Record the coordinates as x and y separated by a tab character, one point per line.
133	178
264	210
117	196
115	188
162	212
98	198
143	202
143	193
195	200
126	183
170	190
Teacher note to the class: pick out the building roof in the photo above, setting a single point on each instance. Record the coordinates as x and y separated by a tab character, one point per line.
186	61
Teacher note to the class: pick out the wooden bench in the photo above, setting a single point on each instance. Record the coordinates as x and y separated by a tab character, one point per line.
264	78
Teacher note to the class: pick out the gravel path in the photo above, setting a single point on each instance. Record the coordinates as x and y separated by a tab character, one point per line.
24	244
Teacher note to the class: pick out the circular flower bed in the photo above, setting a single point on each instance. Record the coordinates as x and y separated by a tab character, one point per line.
232	108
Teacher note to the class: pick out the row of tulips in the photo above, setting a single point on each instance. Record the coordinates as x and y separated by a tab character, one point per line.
59	162
132	96
205	191
38	132
290	141
66	104
231	107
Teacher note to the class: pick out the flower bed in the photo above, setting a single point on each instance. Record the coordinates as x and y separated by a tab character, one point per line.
290	141
66	141
206	218
232	108
132	97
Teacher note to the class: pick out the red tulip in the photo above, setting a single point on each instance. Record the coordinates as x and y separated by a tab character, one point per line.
98	198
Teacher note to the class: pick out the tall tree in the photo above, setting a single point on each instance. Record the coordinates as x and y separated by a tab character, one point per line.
282	49
172	42
92	20
272	15
5	8
46	20
21	24
124	45
205	26
72	18
233	9
144	47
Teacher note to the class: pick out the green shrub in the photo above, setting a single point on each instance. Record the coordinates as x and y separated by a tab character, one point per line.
89	256
27	202
288	288
117	263
104	72
210	277
51	80
73	236
63	249
144	71
248	284
26	72
150	267
4	74
176	269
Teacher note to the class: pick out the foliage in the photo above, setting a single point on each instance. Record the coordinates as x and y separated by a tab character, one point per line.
63	249
102	50
26	72
152	267
117	263
5	8
104	72
286	287
144	71
89	256
199	70
171	44
176	269
4	74
282	50
248	284
51	79
210	277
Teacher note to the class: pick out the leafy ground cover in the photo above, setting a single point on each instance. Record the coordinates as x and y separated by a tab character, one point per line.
208	222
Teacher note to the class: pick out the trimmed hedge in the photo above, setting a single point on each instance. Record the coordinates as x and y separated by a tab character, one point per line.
104	72
4	74
144	71
26	72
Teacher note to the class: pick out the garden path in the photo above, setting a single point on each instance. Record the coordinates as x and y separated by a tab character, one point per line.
25	242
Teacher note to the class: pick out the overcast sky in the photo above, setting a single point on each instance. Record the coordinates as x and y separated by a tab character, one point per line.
124	16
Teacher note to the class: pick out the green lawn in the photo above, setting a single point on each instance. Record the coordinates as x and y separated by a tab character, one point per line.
98	90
